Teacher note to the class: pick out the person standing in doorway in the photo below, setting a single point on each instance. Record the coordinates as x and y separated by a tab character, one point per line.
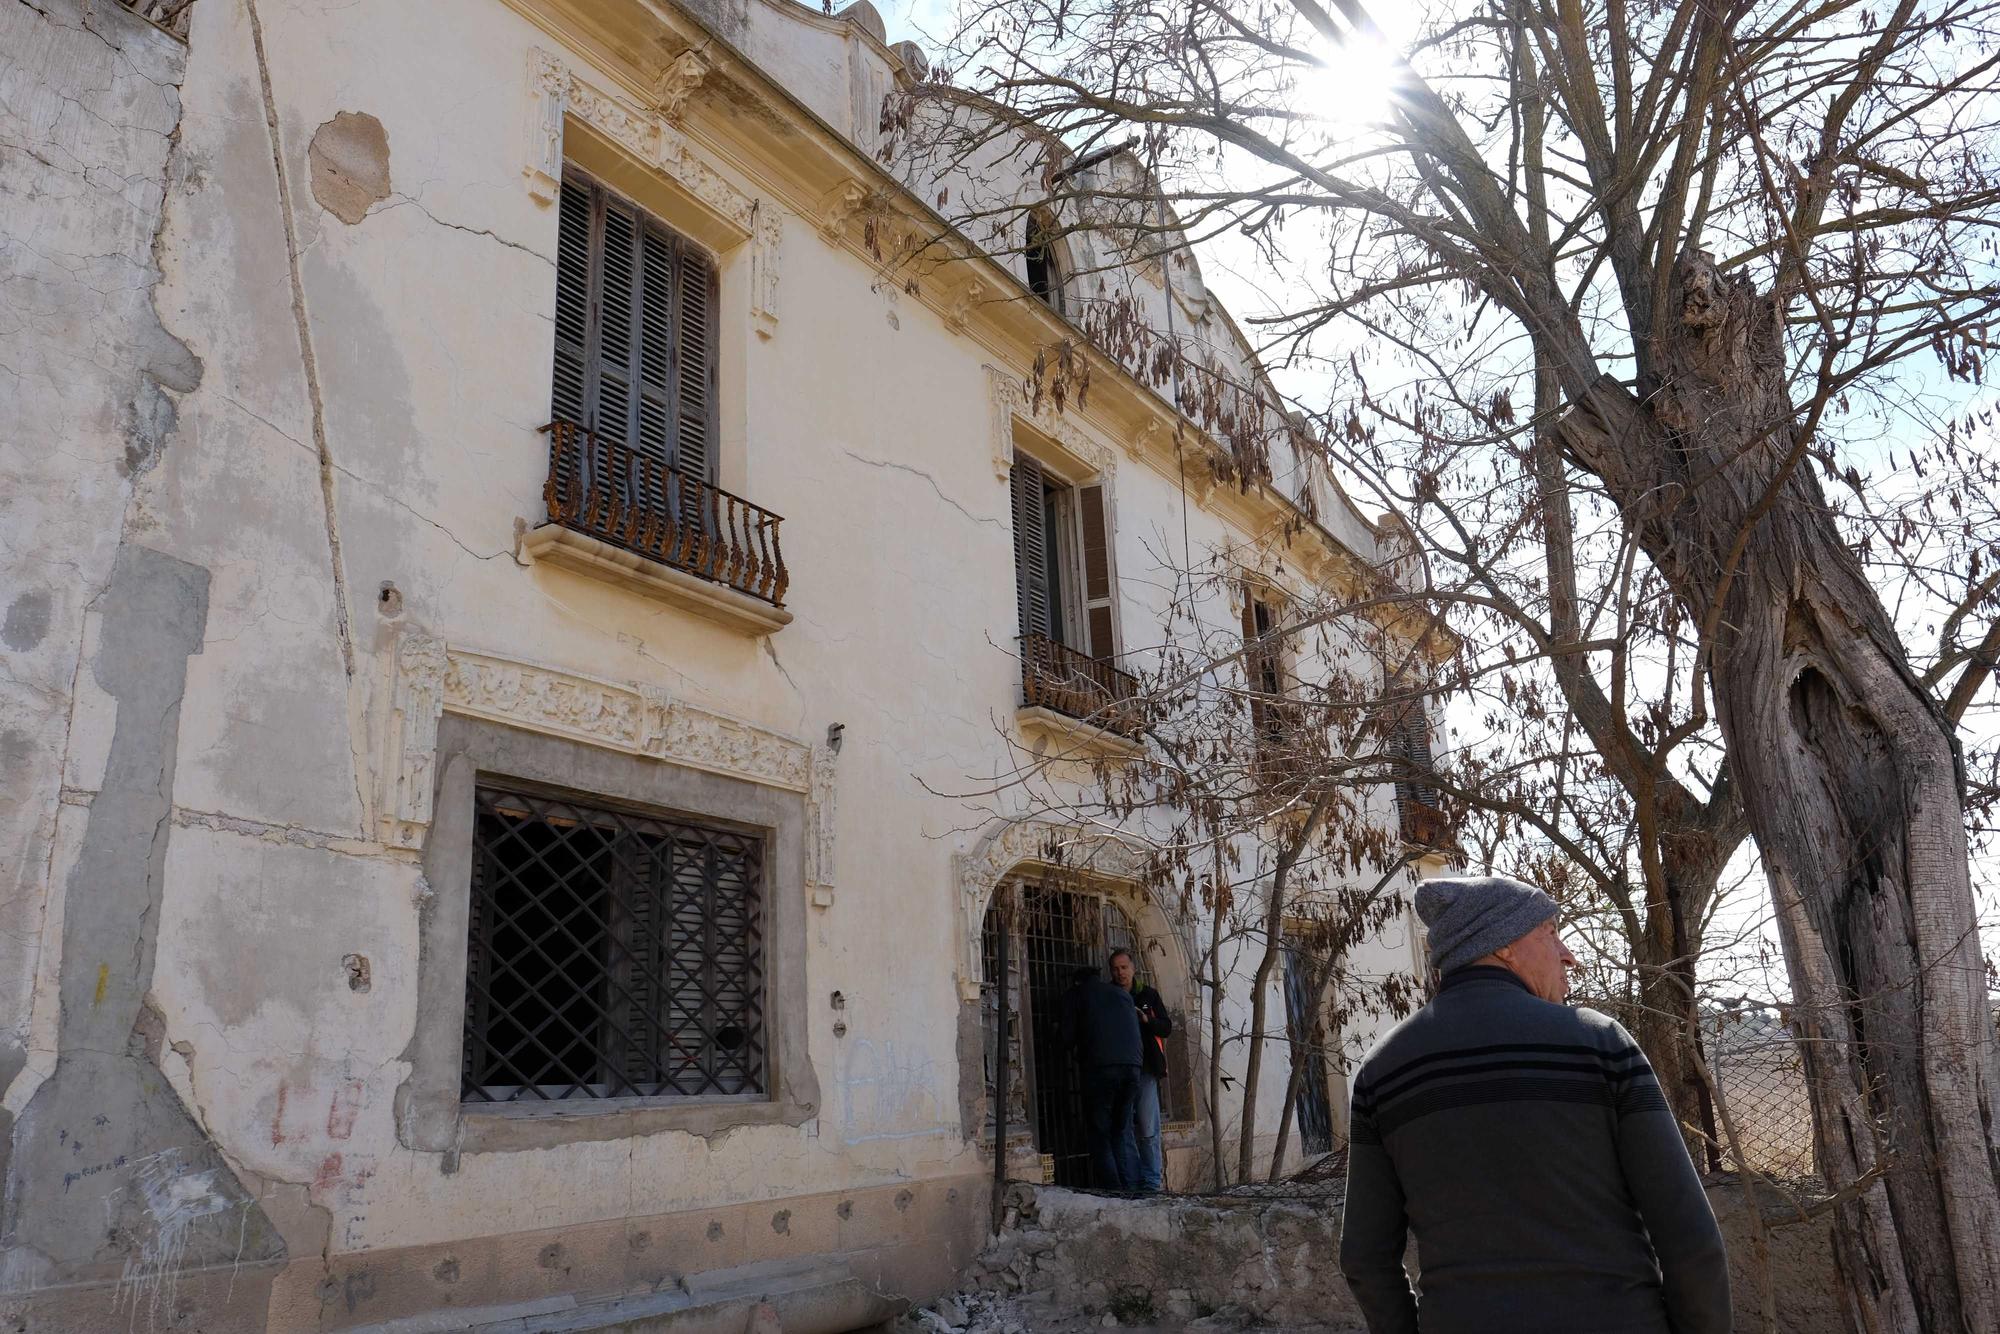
1100	1028
1142	1135
1526	1144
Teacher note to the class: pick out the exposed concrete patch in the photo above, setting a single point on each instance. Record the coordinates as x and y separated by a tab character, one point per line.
110	1176
27	621
349	156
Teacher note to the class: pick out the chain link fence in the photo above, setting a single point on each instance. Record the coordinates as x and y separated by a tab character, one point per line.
1759	1067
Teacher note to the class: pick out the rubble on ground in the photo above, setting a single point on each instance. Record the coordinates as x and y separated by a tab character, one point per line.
1068	1261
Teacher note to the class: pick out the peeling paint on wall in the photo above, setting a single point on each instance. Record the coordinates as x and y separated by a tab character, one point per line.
107	1166
349	156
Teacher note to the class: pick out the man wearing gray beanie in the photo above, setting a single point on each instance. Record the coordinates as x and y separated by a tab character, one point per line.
1525	1144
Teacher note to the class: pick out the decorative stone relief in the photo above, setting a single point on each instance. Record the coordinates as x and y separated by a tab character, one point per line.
1010	400
1008	845
639	719
677	82
548	99
416	697
959	314
820	825
555	90
764	256
840	206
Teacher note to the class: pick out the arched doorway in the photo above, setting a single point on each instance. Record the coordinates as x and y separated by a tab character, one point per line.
1054	928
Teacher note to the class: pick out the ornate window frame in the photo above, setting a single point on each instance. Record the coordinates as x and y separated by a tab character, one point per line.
557	91
627	741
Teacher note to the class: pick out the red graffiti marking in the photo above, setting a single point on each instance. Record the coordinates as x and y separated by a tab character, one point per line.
342	1112
328	1175
278	1118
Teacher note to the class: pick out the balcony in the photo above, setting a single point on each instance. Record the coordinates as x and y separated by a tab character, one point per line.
616	513
1422	824
1078	696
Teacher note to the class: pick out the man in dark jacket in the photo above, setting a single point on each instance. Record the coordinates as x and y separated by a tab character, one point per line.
1527	1146
1100	1027
1142	1136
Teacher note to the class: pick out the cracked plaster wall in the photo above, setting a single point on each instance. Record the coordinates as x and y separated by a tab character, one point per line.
294	410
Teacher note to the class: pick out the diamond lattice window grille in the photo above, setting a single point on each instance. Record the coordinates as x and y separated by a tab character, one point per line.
611	954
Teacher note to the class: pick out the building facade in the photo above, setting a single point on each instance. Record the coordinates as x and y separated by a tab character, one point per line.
472	853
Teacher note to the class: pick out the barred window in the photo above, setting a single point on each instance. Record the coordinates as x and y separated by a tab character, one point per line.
611	954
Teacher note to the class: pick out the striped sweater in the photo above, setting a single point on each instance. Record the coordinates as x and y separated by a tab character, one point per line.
1528	1148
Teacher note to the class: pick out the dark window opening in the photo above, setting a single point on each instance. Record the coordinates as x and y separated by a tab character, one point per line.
1045	276
611	955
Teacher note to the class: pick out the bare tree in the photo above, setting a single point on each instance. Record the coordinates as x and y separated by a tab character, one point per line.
1704	245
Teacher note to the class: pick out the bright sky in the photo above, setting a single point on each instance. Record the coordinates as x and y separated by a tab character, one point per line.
1351	93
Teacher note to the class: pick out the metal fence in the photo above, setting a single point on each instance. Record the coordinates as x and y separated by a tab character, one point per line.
1760	1068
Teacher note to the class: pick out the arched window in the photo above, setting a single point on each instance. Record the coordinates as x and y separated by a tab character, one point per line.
1045	275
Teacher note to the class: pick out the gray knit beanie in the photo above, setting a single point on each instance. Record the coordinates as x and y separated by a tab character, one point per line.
1470	916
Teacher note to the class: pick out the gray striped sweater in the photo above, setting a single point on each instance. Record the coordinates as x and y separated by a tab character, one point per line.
1528	1148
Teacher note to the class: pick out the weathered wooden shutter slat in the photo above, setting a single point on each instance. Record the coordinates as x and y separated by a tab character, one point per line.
566	396
695	333
1030	547
617	311
1100	621
655	347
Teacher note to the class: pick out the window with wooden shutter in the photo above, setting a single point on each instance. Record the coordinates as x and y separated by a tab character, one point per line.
636	332
1263	668
1031	547
1099	620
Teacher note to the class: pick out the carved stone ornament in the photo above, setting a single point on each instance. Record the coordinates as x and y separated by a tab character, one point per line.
677	82
417	669
959	314
839	207
638	719
1010	401
555	91
1008	845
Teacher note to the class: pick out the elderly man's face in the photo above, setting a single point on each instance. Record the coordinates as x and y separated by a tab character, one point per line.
1542	961
1121	971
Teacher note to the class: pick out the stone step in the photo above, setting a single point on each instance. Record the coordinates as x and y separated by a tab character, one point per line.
812	1295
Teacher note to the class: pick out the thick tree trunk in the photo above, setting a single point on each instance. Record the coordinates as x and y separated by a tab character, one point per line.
1850	785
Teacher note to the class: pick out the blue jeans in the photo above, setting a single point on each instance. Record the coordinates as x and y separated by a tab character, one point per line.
1142	1134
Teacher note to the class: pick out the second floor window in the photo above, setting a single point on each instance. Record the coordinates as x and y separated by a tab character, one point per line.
1062	560
636	333
1264	666
1039	252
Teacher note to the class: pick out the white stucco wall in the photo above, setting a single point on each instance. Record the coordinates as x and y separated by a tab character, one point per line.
401	433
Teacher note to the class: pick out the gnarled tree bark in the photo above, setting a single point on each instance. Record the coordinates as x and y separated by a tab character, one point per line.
1850	784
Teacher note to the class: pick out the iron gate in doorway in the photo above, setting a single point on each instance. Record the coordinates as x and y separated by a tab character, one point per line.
1055	932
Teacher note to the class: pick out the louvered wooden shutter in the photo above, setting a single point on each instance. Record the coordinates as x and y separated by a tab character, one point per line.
636	321
566	397
1031	547
1413	744
1097	587
695	327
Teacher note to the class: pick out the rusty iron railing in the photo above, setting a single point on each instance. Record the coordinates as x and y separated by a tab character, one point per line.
1422	823
605	489
1056	676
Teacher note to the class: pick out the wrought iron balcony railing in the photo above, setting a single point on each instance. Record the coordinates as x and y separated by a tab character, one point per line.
1058	677
605	489
1422	824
